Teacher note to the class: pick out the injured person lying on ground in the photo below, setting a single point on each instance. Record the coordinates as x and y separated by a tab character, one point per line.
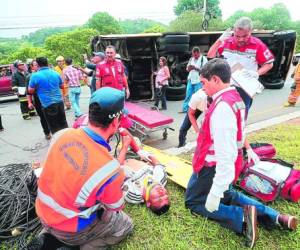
145	179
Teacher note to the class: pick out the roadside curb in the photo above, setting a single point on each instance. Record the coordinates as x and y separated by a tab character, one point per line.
249	129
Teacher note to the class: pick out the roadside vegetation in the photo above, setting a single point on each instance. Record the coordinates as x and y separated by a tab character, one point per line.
178	229
74	41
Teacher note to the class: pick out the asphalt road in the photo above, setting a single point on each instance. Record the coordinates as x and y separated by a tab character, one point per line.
23	141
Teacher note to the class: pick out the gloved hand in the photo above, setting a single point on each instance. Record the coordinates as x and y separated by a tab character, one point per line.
144	155
252	156
226	34
212	203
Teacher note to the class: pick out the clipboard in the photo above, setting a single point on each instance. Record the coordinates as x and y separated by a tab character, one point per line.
21	90
249	84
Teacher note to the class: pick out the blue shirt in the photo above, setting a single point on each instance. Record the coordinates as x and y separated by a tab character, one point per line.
46	83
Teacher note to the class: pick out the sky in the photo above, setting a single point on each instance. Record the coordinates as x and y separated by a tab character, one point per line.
19	17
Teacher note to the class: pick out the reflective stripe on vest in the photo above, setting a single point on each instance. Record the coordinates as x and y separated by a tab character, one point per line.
98	177
68	213
115	205
84	193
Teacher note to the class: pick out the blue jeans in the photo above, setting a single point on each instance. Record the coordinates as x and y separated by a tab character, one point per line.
185	126
160	95
190	90
230	213
74	94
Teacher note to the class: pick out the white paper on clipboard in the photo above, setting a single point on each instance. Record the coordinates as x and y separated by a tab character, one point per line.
21	90
249	84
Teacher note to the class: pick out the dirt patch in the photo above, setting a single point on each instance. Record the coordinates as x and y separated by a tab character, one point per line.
294	121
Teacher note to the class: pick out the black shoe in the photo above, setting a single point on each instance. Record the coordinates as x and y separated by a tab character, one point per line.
180	145
250	230
48	136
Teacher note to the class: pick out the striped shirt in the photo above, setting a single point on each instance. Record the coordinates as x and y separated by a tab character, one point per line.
72	76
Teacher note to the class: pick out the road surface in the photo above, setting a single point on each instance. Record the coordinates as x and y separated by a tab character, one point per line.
23	141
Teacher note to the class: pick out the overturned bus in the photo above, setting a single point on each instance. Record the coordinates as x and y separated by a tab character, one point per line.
140	53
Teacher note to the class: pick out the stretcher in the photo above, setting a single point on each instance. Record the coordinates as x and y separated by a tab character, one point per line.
178	169
146	121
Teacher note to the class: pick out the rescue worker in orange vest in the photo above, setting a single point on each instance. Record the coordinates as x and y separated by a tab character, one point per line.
60	60
80	199
217	162
111	72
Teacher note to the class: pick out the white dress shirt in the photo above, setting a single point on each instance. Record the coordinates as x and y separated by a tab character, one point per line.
198	101
223	128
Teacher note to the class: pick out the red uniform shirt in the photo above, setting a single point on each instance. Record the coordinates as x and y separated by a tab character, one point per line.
254	53
111	74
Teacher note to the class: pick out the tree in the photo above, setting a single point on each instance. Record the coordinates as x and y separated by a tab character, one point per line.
197	5
134	26
25	52
187	21
70	44
156	29
264	18
38	37
104	23
229	22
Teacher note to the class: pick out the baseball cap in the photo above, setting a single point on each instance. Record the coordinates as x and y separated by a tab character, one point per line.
99	53
118	56
17	63
60	58
110	100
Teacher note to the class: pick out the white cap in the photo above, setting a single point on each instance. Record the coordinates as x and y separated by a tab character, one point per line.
118	56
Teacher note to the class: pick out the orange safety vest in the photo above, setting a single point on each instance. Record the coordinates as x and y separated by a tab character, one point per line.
78	178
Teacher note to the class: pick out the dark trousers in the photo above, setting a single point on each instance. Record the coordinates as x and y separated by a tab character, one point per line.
1	126
185	126
160	95
26	112
56	117
230	212
246	99
39	110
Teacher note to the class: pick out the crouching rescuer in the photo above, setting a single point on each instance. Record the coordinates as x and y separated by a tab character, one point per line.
80	199
217	162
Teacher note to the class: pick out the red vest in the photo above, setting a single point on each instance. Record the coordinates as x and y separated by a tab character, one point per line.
204	141
68	188
108	77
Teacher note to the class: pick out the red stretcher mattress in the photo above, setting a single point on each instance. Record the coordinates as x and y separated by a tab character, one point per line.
148	118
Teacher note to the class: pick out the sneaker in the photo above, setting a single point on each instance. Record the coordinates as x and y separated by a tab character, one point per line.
27	117
180	145
288	104
154	108
288	221
250	220
48	136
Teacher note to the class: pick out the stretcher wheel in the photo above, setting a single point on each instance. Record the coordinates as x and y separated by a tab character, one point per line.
165	135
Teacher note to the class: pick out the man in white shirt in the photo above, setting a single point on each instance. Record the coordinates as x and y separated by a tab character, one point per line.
194	66
197	105
217	162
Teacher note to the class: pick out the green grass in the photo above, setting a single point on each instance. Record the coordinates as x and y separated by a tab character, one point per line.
178	229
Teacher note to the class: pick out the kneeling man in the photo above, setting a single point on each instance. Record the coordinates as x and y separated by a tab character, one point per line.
217	162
